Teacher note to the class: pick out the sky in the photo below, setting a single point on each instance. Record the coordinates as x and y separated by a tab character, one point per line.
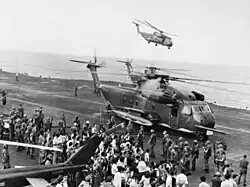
209	31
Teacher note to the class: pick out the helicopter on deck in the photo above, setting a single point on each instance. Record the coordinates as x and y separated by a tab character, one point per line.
149	71
159	37
153	106
157	103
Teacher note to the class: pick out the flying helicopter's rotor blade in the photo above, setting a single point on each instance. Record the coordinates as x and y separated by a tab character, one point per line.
161	31
153	27
80	61
204	80
142	22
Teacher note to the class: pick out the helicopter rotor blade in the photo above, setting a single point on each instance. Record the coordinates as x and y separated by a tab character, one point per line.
79	61
205	80
161	31
153	27
122	61
212	87
142	22
178	73
166	69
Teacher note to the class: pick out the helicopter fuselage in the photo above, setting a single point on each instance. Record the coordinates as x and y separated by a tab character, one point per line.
157	39
185	115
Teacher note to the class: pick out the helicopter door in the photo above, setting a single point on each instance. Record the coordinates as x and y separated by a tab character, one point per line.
174	118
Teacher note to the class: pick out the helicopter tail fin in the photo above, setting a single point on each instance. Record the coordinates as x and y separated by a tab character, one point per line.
84	153
128	63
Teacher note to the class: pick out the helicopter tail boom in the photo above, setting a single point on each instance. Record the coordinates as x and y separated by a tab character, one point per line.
137	27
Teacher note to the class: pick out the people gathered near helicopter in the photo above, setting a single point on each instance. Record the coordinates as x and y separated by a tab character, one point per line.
122	159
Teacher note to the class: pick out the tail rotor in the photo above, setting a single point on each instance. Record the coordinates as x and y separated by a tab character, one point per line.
95	63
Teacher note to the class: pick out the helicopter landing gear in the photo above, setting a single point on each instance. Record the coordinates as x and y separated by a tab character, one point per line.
148	42
168	47
155	44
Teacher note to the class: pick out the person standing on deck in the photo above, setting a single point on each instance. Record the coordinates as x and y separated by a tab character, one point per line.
17	77
76	90
243	169
5	157
207	155
152	142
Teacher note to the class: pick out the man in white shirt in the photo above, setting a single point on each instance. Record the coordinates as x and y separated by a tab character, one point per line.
55	145
233	179
114	169
119	176
142	167
181	179
203	182
169	180
227	182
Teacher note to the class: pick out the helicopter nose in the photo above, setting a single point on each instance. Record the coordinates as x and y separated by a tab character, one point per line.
206	120
170	43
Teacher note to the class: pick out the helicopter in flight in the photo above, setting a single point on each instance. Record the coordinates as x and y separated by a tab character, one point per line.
155	103
159	37
149	71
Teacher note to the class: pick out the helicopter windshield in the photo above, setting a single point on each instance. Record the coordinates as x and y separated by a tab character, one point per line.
200	108
186	110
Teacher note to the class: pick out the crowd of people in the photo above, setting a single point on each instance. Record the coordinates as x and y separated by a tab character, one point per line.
121	159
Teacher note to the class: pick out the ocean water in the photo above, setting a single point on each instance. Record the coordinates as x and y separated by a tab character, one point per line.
59	66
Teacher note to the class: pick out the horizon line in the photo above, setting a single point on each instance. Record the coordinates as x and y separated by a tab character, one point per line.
116	57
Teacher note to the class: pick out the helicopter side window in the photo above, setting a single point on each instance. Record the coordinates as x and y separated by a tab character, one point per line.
196	109
186	110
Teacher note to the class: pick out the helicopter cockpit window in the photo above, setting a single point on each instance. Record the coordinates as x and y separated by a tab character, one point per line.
201	108
186	110
163	86
205	108
196	109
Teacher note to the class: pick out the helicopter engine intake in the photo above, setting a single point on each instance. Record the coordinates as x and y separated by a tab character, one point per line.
164	98
199	97
158	34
